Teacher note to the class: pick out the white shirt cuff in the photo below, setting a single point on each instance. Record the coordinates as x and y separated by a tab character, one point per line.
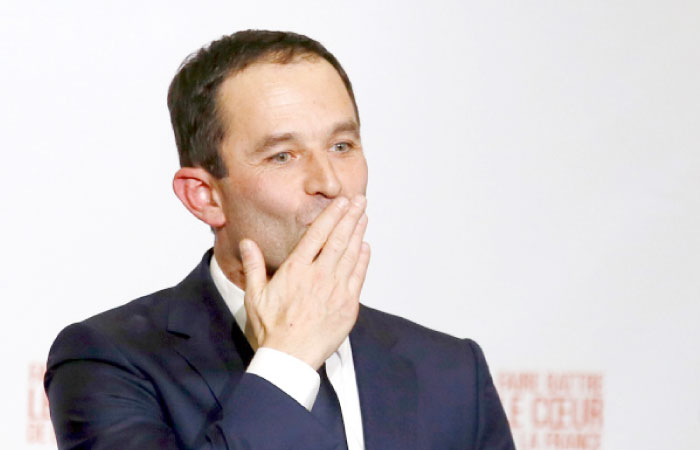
292	375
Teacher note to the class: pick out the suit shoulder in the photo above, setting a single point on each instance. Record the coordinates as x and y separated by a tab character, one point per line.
415	333
102	335
137	315
430	350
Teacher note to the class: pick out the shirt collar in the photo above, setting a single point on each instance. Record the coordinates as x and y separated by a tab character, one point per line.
232	294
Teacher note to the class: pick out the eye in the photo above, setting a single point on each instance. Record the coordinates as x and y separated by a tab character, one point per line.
342	147
281	157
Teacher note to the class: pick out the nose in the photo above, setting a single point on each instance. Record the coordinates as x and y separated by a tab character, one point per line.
321	177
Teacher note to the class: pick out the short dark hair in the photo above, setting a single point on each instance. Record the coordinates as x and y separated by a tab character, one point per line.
192	96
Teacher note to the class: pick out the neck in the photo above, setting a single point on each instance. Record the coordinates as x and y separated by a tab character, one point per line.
229	259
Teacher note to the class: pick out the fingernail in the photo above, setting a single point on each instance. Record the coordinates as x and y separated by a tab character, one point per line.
342	202
359	200
244	246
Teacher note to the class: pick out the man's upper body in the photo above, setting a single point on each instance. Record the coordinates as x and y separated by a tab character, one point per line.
169	371
269	139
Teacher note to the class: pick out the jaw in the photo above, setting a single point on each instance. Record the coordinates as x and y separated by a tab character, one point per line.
229	258
275	251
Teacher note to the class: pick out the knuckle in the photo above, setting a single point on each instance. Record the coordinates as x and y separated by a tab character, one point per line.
355	281
351	307
251	265
315	235
290	265
337	242
347	259
319	277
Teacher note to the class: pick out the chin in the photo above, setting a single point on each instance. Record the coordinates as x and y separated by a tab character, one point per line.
275	258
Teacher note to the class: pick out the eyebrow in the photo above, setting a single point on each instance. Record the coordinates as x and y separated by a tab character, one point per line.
271	140
348	126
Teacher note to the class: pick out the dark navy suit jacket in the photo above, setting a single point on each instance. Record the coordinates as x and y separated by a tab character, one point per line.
168	371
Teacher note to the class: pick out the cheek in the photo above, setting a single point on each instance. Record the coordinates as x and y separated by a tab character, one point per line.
267	195
355	179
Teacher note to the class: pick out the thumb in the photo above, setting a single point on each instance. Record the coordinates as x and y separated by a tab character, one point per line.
253	267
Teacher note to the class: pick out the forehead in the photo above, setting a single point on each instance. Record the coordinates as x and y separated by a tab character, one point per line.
301	96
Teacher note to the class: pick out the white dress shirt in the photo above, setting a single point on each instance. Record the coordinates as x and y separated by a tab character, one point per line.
292	375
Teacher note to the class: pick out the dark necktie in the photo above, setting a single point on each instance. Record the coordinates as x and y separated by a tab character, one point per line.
327	408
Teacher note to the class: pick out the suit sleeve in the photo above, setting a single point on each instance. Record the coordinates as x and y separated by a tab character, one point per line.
99	400
493	430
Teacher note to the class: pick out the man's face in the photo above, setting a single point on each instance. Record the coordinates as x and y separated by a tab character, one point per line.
292	145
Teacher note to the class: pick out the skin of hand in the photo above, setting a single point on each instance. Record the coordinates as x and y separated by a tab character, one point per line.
308	307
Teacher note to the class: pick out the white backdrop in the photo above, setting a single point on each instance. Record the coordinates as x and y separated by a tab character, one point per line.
534	185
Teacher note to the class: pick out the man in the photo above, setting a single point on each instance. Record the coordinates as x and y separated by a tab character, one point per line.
265	345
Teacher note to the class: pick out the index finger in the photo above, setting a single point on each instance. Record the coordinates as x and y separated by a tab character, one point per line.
316	236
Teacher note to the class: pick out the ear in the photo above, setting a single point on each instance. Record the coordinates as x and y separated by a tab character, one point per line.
196	190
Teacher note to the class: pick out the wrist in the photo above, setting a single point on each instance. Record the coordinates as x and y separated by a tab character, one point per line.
313	357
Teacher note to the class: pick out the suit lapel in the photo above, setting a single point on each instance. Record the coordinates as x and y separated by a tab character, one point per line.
212	344
209	340
387	386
